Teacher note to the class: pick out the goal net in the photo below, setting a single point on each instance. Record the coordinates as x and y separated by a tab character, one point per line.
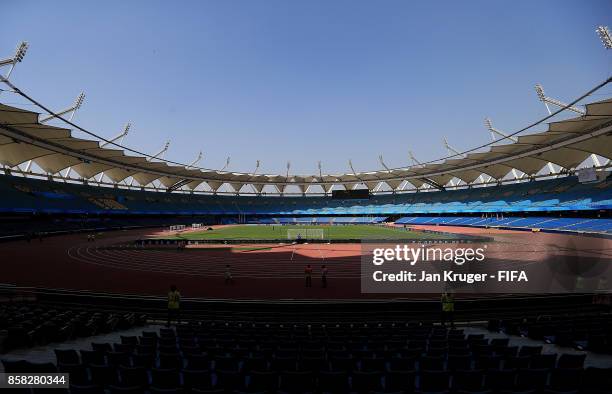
307	233
178	227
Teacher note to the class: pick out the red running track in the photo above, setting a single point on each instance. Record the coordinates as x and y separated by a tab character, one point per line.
260	271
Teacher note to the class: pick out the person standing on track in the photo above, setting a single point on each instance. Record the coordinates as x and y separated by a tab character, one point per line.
308	274
448	309
229	280
174	303
324	276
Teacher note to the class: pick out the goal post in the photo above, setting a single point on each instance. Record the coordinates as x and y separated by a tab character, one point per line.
307	233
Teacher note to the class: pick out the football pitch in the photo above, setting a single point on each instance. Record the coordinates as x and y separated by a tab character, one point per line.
269	232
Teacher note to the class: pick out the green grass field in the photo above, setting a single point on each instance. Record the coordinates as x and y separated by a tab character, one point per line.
268	232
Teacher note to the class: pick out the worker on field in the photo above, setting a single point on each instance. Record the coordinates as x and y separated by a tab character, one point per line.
323	276
448	308
174	301
308	274
228	275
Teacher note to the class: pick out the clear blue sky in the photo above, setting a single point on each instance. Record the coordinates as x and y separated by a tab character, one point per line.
305	81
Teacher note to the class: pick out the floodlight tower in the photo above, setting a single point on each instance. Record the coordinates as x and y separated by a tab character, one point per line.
119	137
20	53
451	152
382	163
253	174
72	110
196	161
350	163
605	36
288	168
415	162
320	179
78	102
162	152
158	155
494	131
606	39
549	100
227	163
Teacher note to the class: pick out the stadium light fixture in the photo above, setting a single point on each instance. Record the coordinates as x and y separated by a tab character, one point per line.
257	164
121	136
545	99
162	152
451	151
159	155
415	162
78	102
20	53
227	163
193	163
542	97
288	167
604	35
549	100
494	131
319	166
350	163
382	163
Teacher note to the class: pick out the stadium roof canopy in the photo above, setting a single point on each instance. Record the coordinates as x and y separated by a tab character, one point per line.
566	143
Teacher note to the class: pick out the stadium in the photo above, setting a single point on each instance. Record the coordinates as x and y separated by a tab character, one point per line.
484	271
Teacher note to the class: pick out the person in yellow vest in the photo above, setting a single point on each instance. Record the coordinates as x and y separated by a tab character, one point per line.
448	309
174	304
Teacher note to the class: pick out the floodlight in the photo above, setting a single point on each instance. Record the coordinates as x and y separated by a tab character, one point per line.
382	162
494	131
540	92
604	35
549	100
70	110
162	152
79	101
451	151
413	158
193	163
227	162
21	51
